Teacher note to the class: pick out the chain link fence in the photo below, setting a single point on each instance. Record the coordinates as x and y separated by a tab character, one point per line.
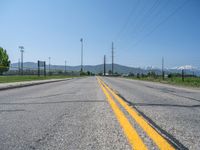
27	70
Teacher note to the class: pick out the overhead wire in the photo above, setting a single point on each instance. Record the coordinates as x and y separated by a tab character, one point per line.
162	22
148	14
133	11
153	17
138	15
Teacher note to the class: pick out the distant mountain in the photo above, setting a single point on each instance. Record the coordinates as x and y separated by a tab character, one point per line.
94	69
186	67
117	68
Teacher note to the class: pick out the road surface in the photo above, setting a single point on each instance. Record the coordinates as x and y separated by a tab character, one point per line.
174	111
85	114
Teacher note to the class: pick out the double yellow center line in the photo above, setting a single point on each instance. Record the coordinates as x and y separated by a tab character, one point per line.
130	132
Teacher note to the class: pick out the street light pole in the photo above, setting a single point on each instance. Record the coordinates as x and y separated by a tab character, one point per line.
22	51
81	54
19	65
65	66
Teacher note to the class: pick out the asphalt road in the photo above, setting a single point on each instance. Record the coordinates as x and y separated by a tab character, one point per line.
76	114
174	111
71	115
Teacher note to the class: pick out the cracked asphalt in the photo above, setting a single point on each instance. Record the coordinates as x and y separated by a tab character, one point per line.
71	114
75	114
174	110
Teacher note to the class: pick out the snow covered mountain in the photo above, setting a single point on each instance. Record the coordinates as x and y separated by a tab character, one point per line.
186	67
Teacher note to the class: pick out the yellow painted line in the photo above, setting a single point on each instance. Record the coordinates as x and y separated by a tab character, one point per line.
152	133
131	134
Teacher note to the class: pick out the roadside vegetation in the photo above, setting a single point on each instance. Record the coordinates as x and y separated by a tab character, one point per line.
19	74
61	75
174	79
8	79
4	61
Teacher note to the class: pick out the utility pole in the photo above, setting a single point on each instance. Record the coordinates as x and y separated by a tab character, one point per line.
65	66
112	58
81	54
38	68
104	65
163	73
49	64
22	51
19	66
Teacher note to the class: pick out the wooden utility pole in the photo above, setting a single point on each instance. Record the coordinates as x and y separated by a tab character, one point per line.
104	65
163	73
81	54
65	67
112	58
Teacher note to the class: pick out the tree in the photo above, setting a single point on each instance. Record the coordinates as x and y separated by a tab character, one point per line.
4	61
83	73
88	73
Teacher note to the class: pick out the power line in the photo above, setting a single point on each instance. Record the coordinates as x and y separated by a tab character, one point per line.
136	18
162	22
143	13
153	17
127	20
150	15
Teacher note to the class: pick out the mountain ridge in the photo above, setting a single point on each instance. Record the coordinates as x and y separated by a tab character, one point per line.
117	68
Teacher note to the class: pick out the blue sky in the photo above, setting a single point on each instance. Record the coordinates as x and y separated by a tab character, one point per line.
142	30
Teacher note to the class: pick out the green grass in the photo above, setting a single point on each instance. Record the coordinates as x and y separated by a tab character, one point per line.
189	81
8	79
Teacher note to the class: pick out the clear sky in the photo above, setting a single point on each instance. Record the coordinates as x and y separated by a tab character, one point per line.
142	31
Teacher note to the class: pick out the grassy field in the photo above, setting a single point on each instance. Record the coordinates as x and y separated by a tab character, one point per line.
8	79
189	81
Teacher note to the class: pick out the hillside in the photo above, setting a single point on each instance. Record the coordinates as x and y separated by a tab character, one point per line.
99	68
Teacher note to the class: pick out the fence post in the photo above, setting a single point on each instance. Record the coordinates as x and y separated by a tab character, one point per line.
45	69
163	75
183	75
38	68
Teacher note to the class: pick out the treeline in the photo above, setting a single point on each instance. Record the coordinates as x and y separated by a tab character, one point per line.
154	75
4	61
